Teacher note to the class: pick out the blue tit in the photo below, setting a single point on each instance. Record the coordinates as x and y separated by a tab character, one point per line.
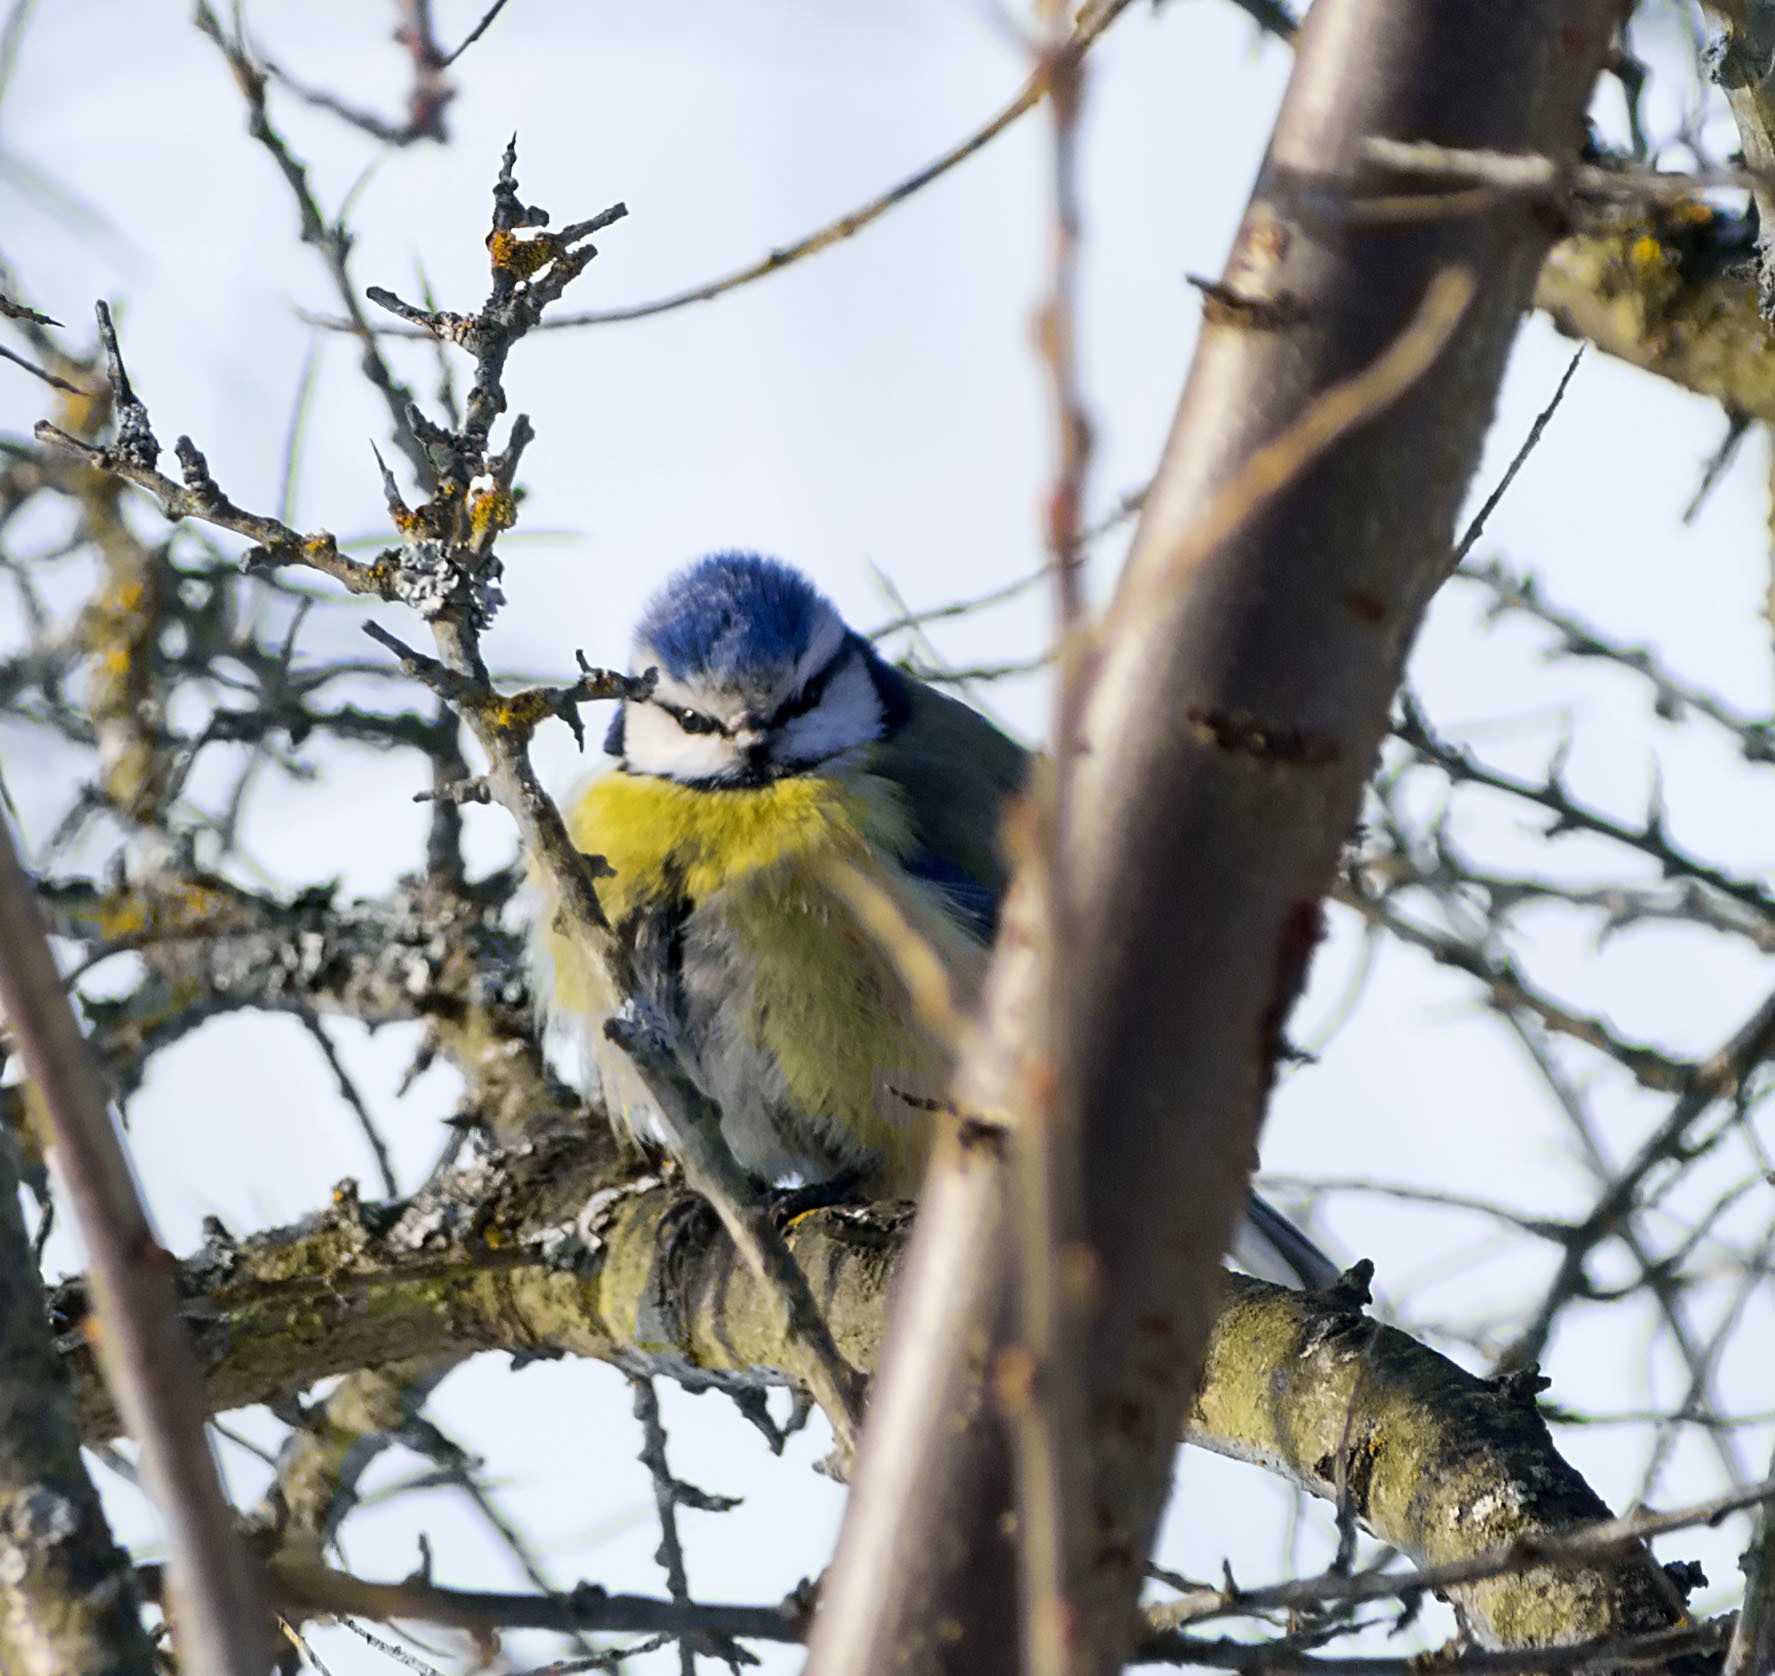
775	751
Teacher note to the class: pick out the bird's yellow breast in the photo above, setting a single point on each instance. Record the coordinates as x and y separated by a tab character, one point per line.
662	837
751	868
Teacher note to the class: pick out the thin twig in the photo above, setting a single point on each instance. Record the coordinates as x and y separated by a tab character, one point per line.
388	1649
1529	443
1505	988
1673	696
1570	815
1656	1275
1718	1077
1581	1545
1041	1377
320	1589
694	1123
477	32
348	1091
1268	470
331	239
670	1552
48	378
1094	18
1535	174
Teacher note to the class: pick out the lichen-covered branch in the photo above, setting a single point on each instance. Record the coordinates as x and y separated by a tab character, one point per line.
433	951
1671	290
545	1247
1445	1465
1439	1463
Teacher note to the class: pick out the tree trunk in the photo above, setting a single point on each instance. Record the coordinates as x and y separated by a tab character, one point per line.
1235	708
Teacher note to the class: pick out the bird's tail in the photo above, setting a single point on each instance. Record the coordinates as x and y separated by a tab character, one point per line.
1269	1246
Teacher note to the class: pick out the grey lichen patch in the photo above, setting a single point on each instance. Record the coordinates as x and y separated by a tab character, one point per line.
439	579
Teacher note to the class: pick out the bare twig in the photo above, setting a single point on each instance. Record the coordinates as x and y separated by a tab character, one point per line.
1507	988
388	1649
1673	696
477	32
348	1091
1659	1278
199	497
331	240
48	378
670	1493
1535	175
1718	1077
1569	814
670	1553
694	1123
312	1588
1529	443
1094	18
1653	1650
1580	1545
1040	1378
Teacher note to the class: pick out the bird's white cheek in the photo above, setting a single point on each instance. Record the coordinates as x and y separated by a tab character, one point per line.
655	744
848	715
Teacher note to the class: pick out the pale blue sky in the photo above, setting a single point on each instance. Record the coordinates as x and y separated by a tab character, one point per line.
877	406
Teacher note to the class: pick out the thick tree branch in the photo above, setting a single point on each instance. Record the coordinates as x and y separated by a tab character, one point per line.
1229	727
69	1600
145	1352
1445	1466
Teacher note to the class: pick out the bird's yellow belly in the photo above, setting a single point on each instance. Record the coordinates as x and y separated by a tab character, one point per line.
785	1011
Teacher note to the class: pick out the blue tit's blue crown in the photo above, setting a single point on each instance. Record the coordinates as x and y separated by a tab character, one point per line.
733	616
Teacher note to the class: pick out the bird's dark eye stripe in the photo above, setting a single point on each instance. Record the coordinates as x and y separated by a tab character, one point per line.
811	694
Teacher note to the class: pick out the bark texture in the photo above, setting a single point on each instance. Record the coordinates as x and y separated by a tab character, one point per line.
67	1592
1231	720
1440	1463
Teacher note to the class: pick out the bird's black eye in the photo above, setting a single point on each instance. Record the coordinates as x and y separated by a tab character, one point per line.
692	721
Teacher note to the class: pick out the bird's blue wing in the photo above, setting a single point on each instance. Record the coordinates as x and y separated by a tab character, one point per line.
975	904
957	772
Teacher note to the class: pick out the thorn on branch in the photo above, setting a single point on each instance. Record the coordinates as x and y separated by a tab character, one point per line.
1351	1289
509	210
503	467
1737	428
1227	305
1521	1386
441	323
9	310
135	438
578	230
194	469
399	513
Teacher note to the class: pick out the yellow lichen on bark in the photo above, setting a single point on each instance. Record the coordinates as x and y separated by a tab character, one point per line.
1647	291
